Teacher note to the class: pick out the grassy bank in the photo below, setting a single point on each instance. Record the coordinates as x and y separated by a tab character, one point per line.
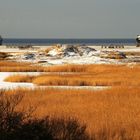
112	112
89	75
10	66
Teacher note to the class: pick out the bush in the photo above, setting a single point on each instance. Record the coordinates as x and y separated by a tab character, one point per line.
51	129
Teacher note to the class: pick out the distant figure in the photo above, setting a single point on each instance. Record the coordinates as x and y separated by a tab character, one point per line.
138	40
1	40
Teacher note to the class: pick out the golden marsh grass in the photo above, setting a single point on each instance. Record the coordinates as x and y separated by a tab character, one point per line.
94	75
109	110
107	113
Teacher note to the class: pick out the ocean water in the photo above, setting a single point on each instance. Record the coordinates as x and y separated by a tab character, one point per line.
68	41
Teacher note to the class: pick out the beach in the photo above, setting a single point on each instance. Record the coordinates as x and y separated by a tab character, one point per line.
72	54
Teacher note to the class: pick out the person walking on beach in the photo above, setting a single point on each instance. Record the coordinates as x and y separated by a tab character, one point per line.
1	40
138	40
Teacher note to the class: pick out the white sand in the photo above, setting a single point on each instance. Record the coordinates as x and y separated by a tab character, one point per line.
91	58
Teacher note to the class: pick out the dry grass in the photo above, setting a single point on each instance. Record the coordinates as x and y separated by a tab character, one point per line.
109	112
6	66
112	114
109	79
132	53
102	75
68	68
91	68
20	78
10	66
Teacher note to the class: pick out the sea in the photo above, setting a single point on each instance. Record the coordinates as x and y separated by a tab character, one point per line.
47	42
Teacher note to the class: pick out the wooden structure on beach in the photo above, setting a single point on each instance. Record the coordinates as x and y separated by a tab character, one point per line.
138	40
112	46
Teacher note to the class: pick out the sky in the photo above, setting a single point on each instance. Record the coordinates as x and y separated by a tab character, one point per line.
69	18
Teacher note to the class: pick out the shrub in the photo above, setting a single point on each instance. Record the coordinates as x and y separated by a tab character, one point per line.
52	129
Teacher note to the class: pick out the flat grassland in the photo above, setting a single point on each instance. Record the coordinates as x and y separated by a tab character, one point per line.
84	75
12	66
113	114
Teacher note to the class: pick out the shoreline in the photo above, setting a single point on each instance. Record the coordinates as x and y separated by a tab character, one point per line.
47	46
71	54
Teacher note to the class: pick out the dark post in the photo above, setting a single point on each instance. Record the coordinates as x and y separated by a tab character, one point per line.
1	40
138	40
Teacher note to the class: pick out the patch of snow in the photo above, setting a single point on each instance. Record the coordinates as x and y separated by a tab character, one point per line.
11	85
79	87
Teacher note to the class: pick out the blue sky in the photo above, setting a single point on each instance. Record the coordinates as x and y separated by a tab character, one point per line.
69	18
